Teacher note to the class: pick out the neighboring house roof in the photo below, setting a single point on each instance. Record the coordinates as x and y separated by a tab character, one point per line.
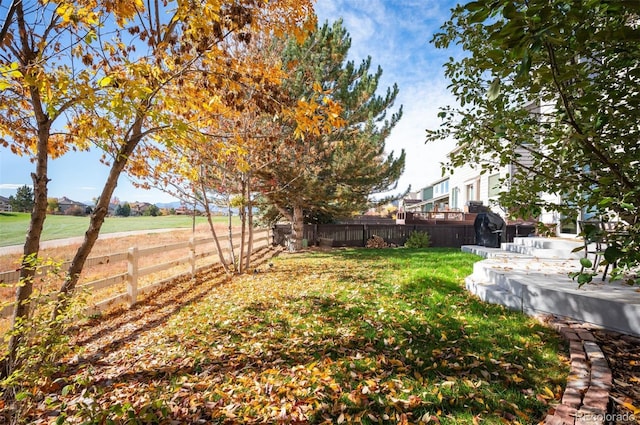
413	195
140	205
65	203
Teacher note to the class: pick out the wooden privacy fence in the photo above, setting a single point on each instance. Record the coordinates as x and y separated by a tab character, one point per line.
451	235
186	257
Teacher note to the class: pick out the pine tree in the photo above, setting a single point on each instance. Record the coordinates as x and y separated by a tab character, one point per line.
332	173
23	201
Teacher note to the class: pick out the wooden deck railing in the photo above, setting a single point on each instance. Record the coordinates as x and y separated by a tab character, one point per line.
434	216
132	275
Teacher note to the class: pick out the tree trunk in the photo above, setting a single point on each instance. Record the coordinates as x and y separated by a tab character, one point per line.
297	229
98	216
32	243
250	225
38	214
207	210
243	228
232	252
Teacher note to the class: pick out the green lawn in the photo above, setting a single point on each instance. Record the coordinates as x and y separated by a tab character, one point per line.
14	226
347	336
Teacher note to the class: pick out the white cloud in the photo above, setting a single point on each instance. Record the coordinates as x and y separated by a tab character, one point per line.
12	186
422	166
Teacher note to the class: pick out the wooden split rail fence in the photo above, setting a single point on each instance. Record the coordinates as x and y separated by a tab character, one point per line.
131	279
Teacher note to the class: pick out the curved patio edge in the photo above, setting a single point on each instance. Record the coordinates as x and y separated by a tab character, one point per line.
531	275
539	284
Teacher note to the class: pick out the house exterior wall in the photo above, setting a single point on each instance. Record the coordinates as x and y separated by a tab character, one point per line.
463	186
466	184
5	206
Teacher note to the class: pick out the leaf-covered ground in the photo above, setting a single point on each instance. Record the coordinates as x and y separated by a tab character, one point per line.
347	336
623	355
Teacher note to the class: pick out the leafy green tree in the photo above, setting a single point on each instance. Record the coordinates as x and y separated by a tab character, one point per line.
152	211
123	210
332	172
23	200
551	88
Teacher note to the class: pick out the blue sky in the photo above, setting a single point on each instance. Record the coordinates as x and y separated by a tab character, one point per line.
395	33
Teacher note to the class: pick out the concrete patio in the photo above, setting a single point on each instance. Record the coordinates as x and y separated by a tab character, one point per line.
532	275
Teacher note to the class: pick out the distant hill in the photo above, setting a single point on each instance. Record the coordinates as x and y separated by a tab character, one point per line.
178	204
214	208
168	205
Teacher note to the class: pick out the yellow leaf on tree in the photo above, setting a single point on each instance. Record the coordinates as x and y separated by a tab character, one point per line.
65	11
105	82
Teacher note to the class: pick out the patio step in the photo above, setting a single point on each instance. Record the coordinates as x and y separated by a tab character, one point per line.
537	285
493	294
544	248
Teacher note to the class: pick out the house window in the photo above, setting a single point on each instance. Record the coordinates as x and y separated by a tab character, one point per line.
441	188
494	185
569	223
471	193
454	198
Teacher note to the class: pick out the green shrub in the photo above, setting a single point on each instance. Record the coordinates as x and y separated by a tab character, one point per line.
418	240
44	341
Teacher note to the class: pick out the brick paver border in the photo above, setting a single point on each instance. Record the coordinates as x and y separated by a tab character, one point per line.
586	397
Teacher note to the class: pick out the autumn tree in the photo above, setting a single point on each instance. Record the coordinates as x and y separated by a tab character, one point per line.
207	165
53	205
551	88
333	170
220	160
43	74
81	74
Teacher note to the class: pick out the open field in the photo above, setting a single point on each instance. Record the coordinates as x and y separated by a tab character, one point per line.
14	226
345	336
109	246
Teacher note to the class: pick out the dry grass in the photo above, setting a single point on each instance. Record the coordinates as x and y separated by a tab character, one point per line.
111	246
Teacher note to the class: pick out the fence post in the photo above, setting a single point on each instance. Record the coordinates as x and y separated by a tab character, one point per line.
192	256
365	234
132	275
